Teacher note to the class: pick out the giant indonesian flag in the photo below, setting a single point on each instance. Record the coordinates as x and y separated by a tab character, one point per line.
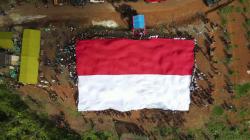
125	74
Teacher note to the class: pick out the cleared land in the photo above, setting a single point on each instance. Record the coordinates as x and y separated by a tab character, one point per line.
227	66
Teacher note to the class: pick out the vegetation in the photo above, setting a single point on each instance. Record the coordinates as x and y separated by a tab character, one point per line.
247	28
228	60
169	132
94	135
222	131
239	10
242	89
17	121
231	72
226	10
243	1
166	131
217	111
213	129
220	128
243	112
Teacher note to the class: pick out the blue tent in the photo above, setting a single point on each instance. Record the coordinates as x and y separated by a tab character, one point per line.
138	22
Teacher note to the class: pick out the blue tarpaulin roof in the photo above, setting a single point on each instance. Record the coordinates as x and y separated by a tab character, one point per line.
138	22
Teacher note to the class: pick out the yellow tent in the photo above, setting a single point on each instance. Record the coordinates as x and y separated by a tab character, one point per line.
6	40
30	56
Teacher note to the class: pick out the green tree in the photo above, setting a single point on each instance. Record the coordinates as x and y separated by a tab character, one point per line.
17	121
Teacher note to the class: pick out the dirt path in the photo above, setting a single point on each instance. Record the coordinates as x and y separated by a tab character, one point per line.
159	13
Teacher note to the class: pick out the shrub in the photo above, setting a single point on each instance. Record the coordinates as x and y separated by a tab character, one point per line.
164	131
248	34
232	72
223	21
239	10
96	135
242	89
248	22
243	112
222	131
243	1
217	111
228	60
226	10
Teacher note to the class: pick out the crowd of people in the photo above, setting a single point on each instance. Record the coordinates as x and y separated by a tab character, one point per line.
201	96
66	57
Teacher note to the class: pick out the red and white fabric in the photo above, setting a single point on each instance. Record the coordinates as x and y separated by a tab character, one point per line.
124	74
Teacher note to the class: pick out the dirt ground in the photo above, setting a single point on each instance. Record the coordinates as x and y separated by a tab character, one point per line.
157	13
61	96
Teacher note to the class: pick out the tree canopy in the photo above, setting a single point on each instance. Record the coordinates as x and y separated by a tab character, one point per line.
17	121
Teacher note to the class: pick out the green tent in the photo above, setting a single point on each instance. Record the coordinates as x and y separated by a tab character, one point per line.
30	56
6	40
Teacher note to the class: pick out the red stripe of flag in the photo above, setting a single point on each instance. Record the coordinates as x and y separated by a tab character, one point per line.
125	56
